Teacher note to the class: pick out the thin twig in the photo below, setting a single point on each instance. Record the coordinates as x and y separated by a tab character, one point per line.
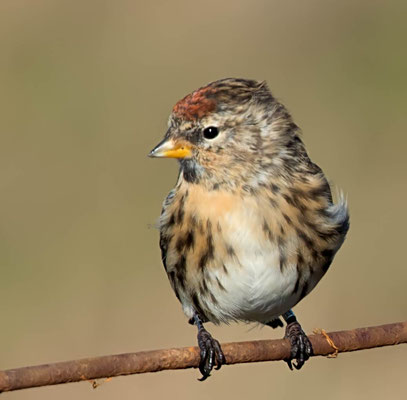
188	357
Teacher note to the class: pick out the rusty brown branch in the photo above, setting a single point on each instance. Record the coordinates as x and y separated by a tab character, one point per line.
188	357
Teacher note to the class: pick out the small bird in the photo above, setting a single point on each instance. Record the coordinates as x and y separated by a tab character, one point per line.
250	227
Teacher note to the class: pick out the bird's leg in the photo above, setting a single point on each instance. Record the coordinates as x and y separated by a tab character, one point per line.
301	347
211	352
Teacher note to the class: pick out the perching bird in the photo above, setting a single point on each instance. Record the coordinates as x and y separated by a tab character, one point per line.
250	227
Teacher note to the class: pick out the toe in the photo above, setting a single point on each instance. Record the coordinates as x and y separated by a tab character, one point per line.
220	357
301	348
211	354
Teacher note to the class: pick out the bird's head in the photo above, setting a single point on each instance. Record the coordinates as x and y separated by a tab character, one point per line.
225	133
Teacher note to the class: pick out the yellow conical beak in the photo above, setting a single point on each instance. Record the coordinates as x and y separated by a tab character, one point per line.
170	148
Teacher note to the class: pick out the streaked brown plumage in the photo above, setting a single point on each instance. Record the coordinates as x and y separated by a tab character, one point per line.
250	227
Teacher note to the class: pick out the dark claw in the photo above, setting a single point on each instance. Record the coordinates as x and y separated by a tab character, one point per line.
211	353
220	358
301	347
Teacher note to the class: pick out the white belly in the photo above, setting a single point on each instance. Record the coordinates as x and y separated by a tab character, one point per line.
256	289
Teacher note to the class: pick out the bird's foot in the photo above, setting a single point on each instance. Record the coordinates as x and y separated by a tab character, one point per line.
211	353
301	347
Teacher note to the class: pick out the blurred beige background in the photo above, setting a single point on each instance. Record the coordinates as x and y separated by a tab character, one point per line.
86	89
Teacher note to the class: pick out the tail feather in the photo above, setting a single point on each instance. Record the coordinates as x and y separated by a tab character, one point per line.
339	214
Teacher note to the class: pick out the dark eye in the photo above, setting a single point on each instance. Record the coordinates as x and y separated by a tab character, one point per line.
211	132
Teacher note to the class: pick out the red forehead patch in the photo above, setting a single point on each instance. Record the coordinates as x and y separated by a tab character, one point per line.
195	105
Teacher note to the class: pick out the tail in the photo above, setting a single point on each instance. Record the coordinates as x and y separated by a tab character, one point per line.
339	215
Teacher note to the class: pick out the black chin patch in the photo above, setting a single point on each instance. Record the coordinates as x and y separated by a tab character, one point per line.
189	171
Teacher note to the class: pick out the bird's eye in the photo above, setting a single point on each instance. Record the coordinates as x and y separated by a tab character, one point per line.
211	132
